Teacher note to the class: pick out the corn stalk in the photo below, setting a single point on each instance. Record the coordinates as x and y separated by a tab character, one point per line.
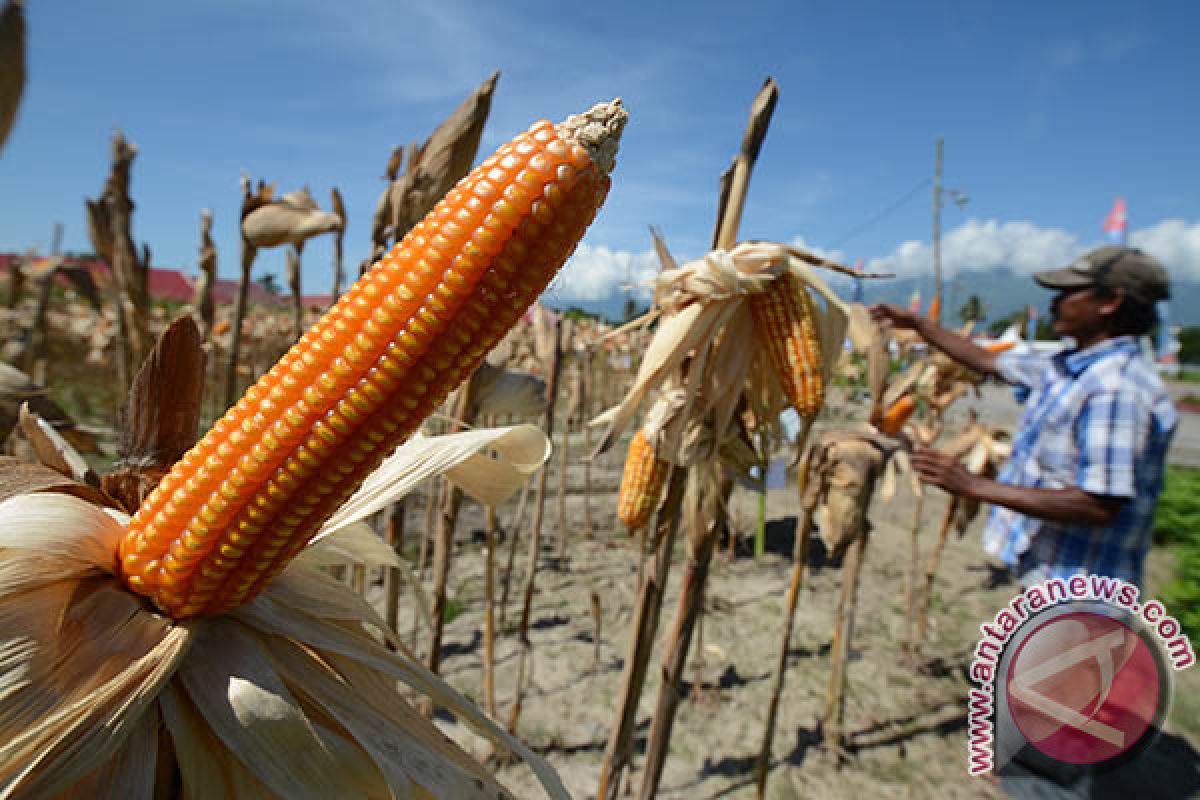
535	537
843	633
799	562
644	628
931	568
443	541
110	224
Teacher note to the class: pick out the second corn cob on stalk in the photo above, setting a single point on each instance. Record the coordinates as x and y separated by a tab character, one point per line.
232	513
783	320
642	482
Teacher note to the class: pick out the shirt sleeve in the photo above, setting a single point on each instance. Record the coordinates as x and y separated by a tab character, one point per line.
1107	433
1024	368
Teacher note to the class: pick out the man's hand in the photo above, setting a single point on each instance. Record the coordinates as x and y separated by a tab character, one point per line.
897	317
942	471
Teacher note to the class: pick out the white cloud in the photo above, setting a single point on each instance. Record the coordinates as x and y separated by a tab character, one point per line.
985	244
1026	247
1174	242
596	273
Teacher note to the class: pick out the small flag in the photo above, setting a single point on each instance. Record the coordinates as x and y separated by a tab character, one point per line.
914	302
1117	222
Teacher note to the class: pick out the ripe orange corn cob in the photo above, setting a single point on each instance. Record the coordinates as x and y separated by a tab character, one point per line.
237	507
783	323
897	414
642	483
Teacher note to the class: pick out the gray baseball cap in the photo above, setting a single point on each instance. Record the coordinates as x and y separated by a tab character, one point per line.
1142	276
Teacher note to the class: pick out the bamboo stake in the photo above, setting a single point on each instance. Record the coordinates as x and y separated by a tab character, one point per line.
391	577
293	280
443	543
489	612
339	208
760	526
799	564
535	539
644	628
514	530
432	494
598	621
690	592
585	403
931	568
910	585
843	632
562	493
249	252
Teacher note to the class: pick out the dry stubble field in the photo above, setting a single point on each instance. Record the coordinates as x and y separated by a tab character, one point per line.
907	726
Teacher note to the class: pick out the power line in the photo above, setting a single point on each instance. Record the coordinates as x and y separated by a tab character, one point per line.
857	229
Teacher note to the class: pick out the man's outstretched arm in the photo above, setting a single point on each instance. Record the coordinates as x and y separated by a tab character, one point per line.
1067	505
958	347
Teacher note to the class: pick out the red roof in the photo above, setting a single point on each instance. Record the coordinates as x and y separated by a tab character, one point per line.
169	284
225	292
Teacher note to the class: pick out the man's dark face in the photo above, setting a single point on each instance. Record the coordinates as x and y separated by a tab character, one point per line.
1078	312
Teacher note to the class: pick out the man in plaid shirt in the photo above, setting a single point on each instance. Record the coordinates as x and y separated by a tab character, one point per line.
1079	492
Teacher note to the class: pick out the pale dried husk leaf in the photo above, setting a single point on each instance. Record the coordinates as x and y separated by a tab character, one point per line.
519	450
52	450
279	224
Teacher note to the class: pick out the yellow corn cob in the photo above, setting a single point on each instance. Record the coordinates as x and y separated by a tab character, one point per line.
783	323
237	507
641	483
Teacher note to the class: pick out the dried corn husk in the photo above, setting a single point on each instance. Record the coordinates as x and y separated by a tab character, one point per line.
702	306
265	701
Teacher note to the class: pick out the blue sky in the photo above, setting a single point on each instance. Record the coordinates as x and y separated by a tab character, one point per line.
1049	110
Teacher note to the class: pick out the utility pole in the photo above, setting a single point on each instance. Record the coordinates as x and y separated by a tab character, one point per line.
937	232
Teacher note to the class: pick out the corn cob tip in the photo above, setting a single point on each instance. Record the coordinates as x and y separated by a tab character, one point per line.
598	131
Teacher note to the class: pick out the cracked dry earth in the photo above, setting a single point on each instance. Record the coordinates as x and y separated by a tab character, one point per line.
907	726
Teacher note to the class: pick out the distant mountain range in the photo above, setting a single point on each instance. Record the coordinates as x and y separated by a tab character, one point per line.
1001	290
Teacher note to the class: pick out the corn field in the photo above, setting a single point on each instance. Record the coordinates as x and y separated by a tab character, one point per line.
439	539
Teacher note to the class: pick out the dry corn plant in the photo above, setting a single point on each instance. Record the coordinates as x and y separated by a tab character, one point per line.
708	322
433	167
535	533
110	227
191	643
339	239
267	222
936	382
12	64
202	299
983	449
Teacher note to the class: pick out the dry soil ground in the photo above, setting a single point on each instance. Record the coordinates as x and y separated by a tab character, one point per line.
907	725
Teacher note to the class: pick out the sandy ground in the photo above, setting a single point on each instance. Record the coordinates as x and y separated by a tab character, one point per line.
907	726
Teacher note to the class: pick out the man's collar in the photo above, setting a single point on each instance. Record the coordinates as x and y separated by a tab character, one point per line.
1075	361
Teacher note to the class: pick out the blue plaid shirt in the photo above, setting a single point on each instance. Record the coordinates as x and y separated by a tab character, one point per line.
1098	419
